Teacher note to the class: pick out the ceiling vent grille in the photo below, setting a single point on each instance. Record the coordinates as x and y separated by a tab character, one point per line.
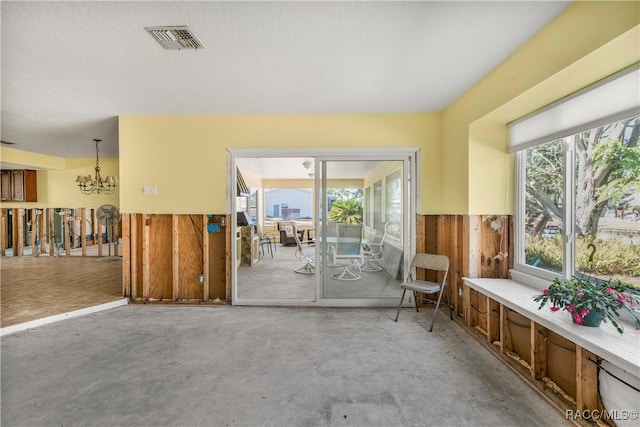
175	37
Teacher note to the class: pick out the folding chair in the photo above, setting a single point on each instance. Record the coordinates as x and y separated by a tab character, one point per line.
438	263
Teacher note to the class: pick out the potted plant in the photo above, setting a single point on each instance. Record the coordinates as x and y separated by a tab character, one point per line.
590	301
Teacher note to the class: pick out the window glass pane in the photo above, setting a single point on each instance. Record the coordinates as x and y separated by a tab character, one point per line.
544	185
607	201
287	204
377	205
367	206
393	208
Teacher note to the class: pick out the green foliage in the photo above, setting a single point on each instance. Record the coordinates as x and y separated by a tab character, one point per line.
613	256
345	193
579	296
347	211
544	252
624	163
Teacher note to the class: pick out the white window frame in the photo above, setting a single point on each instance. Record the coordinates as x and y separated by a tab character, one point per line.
586	109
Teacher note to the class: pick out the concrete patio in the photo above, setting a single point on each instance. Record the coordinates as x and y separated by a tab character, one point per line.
244	366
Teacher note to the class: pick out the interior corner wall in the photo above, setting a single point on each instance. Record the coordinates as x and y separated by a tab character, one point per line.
585	43
185	157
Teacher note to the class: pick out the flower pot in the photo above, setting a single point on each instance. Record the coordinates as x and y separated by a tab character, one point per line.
594	318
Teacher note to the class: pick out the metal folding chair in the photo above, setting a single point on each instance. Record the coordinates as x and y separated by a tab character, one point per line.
438	263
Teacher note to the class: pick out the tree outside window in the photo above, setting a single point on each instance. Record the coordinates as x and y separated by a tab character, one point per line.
604	166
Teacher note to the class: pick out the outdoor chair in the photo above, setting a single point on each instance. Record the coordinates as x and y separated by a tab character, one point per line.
438	263
286	229
267	240
374	253
348	248
305	254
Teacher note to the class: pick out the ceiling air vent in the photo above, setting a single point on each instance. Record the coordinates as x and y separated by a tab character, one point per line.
175	37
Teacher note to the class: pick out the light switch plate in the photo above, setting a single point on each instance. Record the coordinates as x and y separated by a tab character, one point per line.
150	190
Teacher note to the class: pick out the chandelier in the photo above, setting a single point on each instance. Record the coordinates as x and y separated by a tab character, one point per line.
97	185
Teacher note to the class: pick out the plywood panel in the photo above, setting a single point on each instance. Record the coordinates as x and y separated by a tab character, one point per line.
160	251
190	257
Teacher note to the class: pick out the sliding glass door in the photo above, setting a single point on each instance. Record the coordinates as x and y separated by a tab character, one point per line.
363	221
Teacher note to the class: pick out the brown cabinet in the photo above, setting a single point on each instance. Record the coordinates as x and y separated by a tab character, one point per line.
19	186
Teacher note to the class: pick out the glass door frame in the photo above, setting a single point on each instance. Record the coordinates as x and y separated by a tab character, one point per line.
410	156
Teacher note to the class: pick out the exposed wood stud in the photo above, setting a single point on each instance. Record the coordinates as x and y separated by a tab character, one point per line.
175	256
205	257
83	230
467	306
493	320
126	255
20	238
586	380
146	257
34	228
3	232
42	229
134	255
99	228
538	351
67	233
52	231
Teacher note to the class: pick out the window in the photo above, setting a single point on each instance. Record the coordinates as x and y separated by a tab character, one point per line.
393	204
579	207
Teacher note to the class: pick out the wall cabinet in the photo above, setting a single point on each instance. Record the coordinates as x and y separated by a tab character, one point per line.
19	186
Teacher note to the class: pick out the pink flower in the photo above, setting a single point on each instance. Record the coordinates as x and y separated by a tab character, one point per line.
555	308
571	307
584	312
545	291
610	290
621	298
580	296
577	319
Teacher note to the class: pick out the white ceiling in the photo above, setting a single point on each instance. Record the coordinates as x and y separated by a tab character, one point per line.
70	68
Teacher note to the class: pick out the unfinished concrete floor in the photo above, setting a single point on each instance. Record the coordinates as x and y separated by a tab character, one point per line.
144	365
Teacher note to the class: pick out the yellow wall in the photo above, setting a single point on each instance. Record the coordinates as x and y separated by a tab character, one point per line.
185	156
587	42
